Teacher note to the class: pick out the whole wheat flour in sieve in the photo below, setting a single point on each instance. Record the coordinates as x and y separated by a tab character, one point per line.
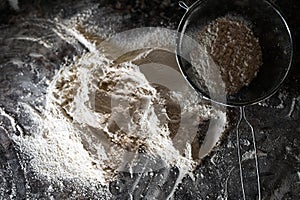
233	47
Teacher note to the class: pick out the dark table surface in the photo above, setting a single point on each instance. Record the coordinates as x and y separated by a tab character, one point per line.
276	121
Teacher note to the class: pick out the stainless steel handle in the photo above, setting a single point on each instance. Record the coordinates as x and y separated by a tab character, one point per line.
183	5
243	117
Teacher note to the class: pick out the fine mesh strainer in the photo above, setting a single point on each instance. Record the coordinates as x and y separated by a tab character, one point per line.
268	26
272	31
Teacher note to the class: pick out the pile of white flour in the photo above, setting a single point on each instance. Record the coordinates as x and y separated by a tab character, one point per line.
101	116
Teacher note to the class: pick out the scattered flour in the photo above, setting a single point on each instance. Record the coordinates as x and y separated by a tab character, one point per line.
14	4
101	115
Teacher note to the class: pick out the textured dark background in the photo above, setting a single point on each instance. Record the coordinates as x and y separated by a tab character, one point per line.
277	128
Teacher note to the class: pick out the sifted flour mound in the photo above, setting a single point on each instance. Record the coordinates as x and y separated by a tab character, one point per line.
113	108
104	117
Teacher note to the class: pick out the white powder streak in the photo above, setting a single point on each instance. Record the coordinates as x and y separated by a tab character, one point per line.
14	4
15	126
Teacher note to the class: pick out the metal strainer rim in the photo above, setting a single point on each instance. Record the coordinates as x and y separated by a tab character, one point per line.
188	13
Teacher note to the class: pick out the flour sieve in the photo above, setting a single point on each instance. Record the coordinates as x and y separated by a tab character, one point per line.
274	36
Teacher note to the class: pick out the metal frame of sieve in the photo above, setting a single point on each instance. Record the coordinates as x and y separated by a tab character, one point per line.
182	25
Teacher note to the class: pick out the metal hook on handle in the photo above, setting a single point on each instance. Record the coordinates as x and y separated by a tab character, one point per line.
239	151
243	116
255	155
183	5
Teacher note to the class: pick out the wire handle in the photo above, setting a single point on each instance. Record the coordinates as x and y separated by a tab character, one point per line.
183	5
243	116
